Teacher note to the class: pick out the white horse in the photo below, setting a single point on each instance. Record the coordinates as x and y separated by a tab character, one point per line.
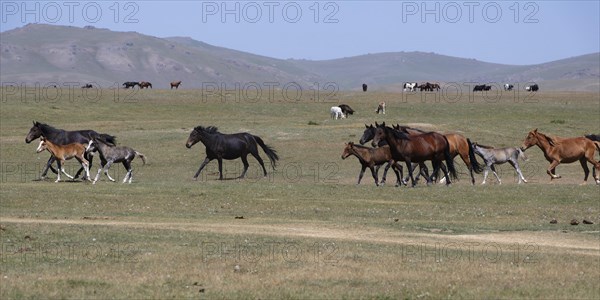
336	113
410	86
493	156
381	108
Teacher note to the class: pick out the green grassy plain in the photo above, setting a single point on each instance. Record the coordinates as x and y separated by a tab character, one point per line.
308	231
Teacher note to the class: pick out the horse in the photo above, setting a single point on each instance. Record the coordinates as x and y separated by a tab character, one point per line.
87	86
175	84
371	158
409	86
418	148
459	145
369	134
145	84
492	156
593	137
63	137
336	113
110	154
229	146
346	110
364	87
130	84
380	108
564	150
65	152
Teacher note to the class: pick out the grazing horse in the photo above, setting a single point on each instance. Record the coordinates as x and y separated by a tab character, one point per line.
62	137
130	84
346	109
230	146
381	108
336	113
145	84
508	87
371	158
564	150
532	88
459	145
364	87
64	152
410	86
110	154
417	148
87	86
492	156
175	84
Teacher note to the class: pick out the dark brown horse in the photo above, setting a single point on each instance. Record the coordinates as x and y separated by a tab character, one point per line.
145	84
175	84
418	148
565	150
373	158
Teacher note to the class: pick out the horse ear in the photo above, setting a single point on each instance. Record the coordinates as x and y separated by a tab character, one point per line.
535	130
366	126
376	125
383	124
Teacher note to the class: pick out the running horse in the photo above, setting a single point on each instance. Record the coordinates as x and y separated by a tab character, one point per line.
62	137
373	158
229	146
418	148
565	150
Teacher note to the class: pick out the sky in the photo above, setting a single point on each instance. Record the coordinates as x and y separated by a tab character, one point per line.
507	32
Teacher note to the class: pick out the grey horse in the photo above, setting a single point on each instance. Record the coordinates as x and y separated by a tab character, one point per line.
492	156
110	153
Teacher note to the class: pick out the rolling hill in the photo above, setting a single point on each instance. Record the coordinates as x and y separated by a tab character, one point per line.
49	53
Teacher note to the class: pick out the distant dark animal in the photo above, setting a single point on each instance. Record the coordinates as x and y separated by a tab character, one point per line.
87	86
64	152
410	86
373	158
364	87
175	84
492	156
130	84
418	148
481	88
508	87
435	86
62	137
532	88
110	154
565	150
230	146
381	108
425	87
346	109
145	84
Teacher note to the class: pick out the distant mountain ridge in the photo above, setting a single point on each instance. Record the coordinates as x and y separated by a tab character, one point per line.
50	53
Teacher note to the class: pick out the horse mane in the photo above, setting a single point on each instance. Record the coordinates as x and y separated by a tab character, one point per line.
105	139
548	138
209	129
45	128
360	146
398	134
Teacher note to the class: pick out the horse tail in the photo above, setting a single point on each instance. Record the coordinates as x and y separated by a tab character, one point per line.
142	156
522	154
271	153
449	160
474	163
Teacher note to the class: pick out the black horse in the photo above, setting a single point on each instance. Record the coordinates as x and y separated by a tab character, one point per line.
130	84
229	146
63	137
346	109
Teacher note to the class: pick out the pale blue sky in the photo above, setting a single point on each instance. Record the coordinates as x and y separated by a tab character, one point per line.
510	32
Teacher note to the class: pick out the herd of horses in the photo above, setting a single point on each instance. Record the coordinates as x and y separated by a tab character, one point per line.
142	84
390	145
430	87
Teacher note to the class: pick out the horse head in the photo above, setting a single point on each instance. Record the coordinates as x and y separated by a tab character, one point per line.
532	139
380	134
42	146
367	134
347	150
34	133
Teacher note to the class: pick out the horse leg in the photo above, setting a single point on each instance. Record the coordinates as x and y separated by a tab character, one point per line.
99	172
220	161
49	166
423	171
59	163
552	170
62	169
88	157
586	170
362	172
495	174
397	167
410	172
374	175
245	162
446	175
260	161
465	158
485	173
204	163
129	174
85	165
515	165
385	170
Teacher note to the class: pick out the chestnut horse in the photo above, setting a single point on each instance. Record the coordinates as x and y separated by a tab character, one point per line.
175	84
418	148
373	158
564	150
64	152
145	84
459	145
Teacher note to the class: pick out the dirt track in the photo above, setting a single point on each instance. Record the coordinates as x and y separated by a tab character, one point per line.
546	241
